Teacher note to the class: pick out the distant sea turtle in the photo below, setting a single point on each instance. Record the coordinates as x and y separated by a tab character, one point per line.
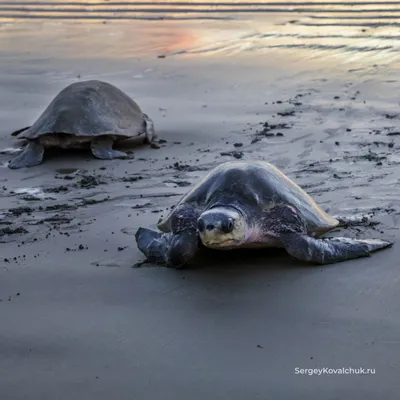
247	205
85	113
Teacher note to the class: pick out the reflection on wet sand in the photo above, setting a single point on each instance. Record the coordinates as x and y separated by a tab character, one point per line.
349	31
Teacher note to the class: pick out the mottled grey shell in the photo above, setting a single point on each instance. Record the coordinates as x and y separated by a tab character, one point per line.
258	185
89	108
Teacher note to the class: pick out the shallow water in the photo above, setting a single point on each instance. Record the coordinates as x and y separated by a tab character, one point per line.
365	32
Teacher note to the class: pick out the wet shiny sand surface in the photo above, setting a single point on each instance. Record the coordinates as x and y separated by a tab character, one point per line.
79	322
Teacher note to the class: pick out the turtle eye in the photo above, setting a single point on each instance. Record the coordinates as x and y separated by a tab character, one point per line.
227	225
201	225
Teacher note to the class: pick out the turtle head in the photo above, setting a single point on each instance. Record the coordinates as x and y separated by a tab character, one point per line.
221	227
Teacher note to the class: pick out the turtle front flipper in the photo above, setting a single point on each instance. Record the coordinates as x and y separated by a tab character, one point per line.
150	132
102	148
286	224
173	250
31	155
330	250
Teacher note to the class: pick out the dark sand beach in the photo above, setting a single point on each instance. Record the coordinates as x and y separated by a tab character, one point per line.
313	89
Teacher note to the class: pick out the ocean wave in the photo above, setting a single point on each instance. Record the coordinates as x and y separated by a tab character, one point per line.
211	10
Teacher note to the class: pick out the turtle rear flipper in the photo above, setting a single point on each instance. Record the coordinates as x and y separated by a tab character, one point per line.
354	220
102	148
17	132
330	250
30	156
166	248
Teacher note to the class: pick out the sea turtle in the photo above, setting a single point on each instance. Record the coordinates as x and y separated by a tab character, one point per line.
247	205
85	113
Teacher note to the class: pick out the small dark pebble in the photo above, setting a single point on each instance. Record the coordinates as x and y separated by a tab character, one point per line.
131	178
287	113
236	154
12	231
371	156
57	207
187	168
179	183
20	210
57	189
29	197
89	182
90	202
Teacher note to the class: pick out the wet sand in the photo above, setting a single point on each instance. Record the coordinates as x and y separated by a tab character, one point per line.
79	320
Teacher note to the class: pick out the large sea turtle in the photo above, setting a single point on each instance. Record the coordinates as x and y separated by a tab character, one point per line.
85	113
246	205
